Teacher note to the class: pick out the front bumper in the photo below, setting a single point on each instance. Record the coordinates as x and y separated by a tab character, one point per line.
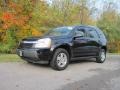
35	55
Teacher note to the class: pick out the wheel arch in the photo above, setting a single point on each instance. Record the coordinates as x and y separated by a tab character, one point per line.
64	46
104	47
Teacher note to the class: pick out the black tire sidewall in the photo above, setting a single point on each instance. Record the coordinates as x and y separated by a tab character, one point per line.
53	62
98	59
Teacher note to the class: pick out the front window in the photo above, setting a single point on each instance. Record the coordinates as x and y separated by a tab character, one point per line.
80	33
60	31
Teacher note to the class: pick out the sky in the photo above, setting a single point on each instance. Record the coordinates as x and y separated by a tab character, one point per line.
100	5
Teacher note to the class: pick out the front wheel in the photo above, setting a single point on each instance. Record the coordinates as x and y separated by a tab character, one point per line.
60	59
102	56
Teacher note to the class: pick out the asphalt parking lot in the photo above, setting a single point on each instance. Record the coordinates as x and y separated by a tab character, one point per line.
80	75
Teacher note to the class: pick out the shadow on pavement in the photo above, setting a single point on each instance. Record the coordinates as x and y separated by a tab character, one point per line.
71	62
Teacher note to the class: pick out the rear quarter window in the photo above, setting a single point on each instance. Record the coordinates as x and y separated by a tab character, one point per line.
101	34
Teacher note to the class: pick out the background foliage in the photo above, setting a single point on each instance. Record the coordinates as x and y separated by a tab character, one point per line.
26	18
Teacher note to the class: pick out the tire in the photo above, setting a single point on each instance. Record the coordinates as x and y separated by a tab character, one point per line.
60	59
102	56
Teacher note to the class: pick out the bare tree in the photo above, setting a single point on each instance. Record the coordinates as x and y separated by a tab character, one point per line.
4	4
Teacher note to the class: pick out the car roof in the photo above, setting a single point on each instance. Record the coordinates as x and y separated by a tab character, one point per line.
88	26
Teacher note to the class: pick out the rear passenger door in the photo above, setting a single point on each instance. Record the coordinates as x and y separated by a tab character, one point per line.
93	41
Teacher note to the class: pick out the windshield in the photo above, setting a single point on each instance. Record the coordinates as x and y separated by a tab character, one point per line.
60	31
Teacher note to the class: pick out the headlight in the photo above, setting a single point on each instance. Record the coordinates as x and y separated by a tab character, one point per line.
43	43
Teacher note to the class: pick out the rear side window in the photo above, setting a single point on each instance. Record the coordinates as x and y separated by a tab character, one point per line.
101	34
92	34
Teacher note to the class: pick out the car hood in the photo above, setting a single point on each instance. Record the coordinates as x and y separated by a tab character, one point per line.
41	37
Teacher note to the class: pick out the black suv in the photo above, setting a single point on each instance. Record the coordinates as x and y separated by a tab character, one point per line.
61	45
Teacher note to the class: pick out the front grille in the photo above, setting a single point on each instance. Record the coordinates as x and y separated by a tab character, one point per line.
25	45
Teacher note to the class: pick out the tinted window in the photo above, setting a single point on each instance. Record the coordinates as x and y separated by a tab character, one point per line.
101	34
93	34
80	33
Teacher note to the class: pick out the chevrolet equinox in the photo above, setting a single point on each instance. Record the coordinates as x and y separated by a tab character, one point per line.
61	45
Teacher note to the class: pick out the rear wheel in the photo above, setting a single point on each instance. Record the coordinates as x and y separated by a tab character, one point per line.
102	56
60	59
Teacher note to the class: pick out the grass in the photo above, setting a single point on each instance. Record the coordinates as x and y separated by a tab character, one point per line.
9	58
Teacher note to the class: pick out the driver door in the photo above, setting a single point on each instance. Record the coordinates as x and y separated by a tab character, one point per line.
80	43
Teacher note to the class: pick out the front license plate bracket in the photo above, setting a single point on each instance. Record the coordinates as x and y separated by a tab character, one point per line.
20	53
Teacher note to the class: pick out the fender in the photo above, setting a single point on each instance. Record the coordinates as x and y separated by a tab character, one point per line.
67	46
